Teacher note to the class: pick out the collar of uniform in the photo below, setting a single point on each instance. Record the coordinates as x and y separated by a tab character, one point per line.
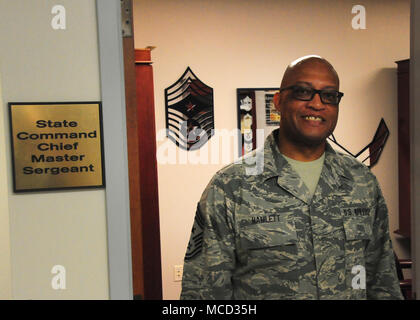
333	160
275	165
274	162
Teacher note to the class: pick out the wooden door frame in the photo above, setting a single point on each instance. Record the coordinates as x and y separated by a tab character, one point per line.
141	147
415	142
126	256
115	149
133	168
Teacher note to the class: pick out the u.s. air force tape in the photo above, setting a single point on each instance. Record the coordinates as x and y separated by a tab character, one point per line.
195	244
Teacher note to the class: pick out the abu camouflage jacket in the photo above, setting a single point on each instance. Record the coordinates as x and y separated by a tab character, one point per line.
257	235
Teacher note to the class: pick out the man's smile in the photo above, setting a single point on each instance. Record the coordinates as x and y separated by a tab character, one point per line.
313	118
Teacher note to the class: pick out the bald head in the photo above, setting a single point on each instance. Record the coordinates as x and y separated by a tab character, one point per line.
307	64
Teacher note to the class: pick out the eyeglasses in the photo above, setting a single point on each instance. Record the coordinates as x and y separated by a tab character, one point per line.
308	93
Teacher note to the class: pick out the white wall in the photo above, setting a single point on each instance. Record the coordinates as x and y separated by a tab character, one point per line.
5	268
238	44
62	227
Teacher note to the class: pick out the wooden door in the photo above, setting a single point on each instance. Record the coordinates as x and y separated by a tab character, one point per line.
404	149
142	165
148	175
133	167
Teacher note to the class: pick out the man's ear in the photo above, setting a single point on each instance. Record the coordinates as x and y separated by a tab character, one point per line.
277	101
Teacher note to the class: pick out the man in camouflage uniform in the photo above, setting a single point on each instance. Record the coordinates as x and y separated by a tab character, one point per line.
267	229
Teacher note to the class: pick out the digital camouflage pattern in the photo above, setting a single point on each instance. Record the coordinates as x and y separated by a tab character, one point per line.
262	237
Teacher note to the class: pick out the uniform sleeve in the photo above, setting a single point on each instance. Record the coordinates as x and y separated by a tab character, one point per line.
381	277
210	256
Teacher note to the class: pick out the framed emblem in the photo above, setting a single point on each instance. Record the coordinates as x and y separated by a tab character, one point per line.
189	112
255	111
272	116
371	153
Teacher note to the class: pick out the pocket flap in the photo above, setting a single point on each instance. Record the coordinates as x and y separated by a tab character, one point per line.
357	228
268	235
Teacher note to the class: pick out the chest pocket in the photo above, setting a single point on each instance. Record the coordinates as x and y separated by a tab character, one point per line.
357	224
267	244
357	227
358	232
267	258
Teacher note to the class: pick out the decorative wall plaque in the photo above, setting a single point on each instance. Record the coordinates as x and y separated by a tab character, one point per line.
56	145
189	112
272	116
255	105
371	153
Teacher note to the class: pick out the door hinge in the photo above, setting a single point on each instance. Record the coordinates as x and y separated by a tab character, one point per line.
127	18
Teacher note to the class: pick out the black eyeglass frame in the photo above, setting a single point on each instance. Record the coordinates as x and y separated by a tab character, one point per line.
314	92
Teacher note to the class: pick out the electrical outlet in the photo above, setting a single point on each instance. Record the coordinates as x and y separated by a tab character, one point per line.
178	269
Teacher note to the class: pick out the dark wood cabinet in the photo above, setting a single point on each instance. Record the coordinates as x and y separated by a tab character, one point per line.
404	147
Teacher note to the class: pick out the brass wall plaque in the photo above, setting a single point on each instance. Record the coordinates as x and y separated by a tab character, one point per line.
56	145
